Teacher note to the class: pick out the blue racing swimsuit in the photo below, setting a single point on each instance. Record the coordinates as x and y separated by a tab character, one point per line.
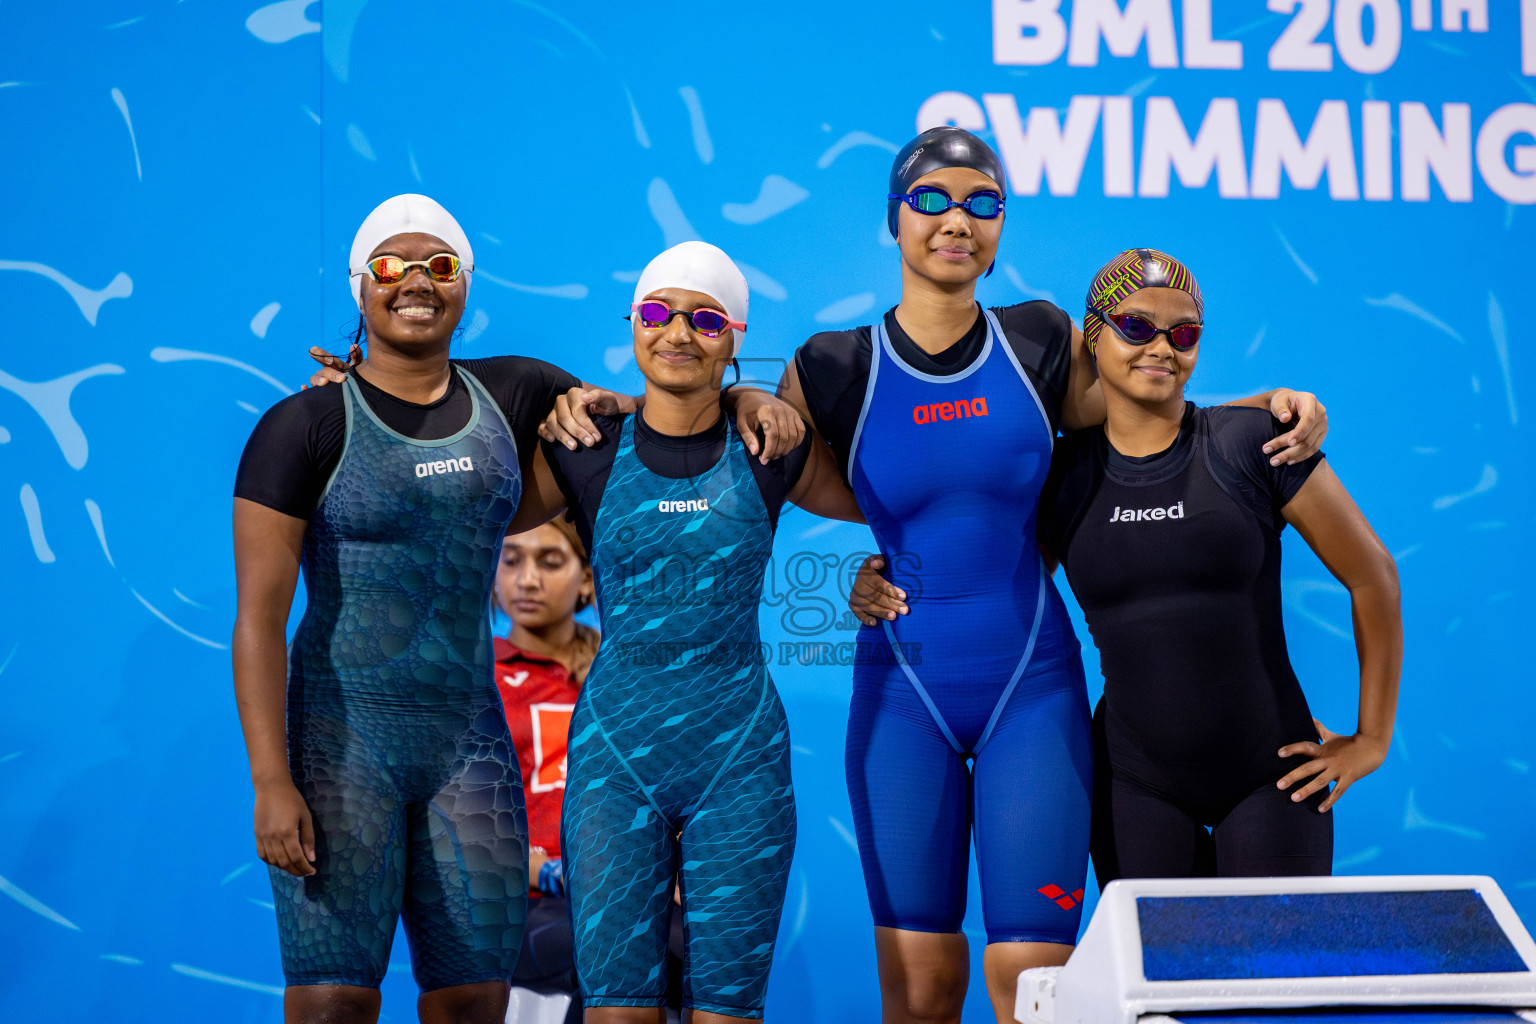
678	763
396	737
975	720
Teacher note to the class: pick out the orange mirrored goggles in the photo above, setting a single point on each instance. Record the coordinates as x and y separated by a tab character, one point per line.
443	268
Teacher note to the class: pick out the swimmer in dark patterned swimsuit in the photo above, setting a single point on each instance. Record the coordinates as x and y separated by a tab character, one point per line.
393	790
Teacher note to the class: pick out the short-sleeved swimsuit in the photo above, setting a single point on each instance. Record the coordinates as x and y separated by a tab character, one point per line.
1175	559
396	737
678	757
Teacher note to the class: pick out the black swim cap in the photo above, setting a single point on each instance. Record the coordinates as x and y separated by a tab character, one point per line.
935	148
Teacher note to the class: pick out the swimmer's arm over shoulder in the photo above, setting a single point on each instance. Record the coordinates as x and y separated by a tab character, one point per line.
1328	519
792	393
268	544
820	489
1083	404
833	498
570	419
759	413
533	391
821	458
333	368
543	498
1302	441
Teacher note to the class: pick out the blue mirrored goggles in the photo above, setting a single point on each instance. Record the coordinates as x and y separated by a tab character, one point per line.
984	205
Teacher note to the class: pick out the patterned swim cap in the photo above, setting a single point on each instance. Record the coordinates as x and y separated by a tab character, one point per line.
1129	272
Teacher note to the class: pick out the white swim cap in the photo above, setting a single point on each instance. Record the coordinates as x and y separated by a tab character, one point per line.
405	214
698	267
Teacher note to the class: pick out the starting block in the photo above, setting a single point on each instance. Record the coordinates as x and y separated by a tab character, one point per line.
1431	949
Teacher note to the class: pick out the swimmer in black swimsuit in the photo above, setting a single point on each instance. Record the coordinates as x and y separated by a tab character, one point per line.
1168	523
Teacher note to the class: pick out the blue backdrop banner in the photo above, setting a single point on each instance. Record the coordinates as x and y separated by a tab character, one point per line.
1351	180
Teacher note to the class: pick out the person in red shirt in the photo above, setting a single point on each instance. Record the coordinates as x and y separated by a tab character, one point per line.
543	581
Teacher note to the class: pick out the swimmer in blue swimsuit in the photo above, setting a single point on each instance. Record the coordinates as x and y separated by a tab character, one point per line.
976	727
386	784
678	759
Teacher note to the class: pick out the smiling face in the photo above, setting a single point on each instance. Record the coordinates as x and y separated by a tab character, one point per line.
950	247
416	312
1156	372
674	356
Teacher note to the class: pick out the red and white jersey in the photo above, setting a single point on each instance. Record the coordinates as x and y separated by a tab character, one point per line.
538	694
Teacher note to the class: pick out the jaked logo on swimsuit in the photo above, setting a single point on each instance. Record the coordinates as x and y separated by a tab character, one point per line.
1126	515
949	410
700	505
444	466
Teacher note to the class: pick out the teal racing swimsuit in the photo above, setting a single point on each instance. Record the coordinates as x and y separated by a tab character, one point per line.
678	764
396	738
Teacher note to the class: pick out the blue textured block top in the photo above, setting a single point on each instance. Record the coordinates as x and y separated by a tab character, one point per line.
1314	935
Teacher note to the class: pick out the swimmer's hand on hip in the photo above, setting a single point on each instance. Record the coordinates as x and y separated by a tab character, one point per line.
873	597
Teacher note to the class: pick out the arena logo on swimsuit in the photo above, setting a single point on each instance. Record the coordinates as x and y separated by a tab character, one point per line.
699	505
1142	514
424	469
949	410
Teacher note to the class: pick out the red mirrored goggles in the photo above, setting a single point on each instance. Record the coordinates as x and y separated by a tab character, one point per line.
1138	330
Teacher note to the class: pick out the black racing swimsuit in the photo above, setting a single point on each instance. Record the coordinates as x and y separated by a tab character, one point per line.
1175	559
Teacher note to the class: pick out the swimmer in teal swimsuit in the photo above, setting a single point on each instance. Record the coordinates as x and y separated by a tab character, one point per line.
393	790
386	784
678	761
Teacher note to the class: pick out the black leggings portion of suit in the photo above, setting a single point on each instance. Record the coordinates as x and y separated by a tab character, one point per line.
1139	832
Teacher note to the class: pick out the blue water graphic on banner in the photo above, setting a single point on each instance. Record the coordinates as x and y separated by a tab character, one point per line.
1351	181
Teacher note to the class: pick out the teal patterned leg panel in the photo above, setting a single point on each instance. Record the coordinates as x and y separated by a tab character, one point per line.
735	861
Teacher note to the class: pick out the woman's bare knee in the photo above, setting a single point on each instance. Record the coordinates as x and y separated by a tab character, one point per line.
923	975
483	1003
330	1004
707	1017
1004	961
624	1015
